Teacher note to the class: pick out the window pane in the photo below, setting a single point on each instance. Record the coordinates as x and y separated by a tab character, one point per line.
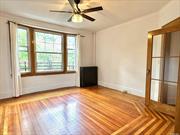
24	65
71	46
49	38
49	62
57	40
71	42
22	37
40	37
23	47
40	46
71	60
48	42
48	52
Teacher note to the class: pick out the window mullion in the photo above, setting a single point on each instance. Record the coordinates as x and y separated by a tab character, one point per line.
32	51
65	52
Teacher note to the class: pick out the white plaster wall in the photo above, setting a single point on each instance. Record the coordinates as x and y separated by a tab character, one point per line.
121	54
121	50
5	78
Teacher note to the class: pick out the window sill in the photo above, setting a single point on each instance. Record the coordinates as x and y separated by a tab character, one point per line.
47	73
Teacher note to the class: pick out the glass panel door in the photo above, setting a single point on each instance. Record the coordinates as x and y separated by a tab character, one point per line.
165	67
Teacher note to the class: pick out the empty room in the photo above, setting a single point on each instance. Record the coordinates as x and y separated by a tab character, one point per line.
89	67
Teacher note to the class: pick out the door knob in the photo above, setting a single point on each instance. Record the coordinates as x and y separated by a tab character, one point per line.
148	71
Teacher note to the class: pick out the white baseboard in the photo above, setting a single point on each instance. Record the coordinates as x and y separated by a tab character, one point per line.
122	88
5	95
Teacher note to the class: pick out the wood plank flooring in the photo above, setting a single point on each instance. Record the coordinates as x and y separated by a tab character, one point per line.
78	111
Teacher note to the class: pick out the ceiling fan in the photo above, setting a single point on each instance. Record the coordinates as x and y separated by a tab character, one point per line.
77	14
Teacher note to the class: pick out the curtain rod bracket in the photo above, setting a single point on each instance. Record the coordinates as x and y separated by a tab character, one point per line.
11	22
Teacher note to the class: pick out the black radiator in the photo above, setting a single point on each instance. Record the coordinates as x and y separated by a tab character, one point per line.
88	76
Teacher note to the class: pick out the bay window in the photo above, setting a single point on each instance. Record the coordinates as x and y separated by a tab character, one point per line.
45	52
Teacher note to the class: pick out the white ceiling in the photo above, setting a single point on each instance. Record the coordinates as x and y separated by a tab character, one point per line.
115	11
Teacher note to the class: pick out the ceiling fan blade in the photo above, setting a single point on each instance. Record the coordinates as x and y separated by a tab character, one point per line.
92	9
78	8
70	19
73	5
60	11
88	17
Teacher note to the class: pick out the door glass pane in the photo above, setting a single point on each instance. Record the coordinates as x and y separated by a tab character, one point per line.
157	68
171	69
173	44
163	92
169	96
155	89
158	46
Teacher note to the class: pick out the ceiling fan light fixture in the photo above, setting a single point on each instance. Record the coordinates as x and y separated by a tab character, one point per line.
77	18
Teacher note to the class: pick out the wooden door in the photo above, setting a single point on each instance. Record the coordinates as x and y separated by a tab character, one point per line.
163	69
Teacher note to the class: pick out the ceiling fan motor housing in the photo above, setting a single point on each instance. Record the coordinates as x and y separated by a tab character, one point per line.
77	1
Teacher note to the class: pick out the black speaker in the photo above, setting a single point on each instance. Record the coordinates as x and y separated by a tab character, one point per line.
88	76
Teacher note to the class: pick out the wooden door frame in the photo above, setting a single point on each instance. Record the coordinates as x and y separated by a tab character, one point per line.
177	113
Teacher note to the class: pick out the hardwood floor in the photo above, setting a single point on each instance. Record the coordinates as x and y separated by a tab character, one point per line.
77	111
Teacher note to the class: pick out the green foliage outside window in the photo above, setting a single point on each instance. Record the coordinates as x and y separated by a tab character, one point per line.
71	46
48	52
22	42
